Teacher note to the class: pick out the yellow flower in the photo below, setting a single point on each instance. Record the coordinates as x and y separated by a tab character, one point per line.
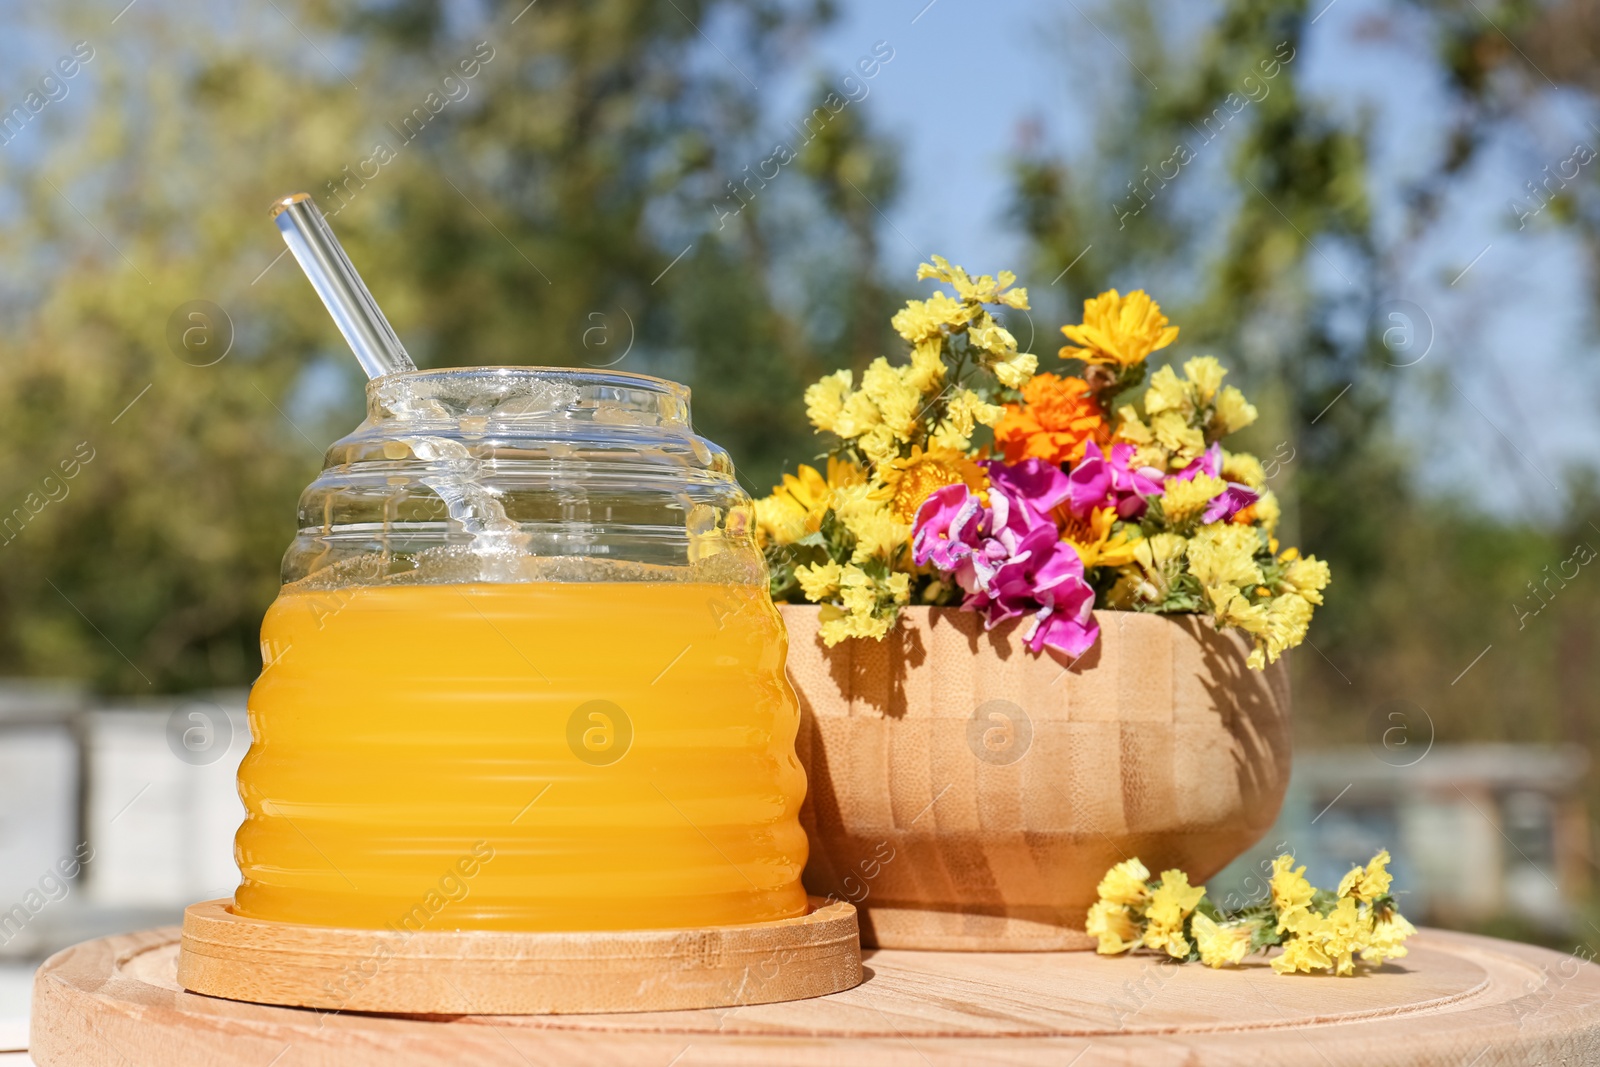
1230	608
1291	893
1096	545
967	409
1343	932
1015	369
818	581
1119	330
1368	883
1170	903
825	400
898	401
1386	939
982	289
858	615
1288	619
858	416
1114	925
1125	884
879	444
1221	554
1183	500
993	338
1205	374
908	481
922	320
797	506
839	624
1173	433
779	520
1167	392
1307	577
927	366
1243	468
1159	559
1233	412
1224	945
1303	954
878	534
1268	511
1131	429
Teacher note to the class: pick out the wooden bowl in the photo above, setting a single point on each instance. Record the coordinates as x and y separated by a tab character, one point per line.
966	794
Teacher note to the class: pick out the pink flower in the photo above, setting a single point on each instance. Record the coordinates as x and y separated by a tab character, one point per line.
1234	498
1101	481
1009	557
1209	462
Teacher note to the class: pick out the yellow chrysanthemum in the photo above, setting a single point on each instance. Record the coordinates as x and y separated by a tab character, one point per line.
1183	500
1094	541
1221	554
1291	893
1115	926
1120	330
1125	884
908	481
796	507
1170	903
1368	883
1221	945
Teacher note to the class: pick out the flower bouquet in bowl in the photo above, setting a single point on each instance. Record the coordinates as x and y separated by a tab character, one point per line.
1035	620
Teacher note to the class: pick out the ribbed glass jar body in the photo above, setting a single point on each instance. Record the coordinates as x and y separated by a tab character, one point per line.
523	673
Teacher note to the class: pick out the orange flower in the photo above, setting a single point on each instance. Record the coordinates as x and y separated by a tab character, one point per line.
1056	419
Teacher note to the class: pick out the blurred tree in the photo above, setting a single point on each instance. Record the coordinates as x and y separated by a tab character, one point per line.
518	184
1246	205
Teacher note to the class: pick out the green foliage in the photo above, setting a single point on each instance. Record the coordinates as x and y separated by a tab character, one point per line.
554	206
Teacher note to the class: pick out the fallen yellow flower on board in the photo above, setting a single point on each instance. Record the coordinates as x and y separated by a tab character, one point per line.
1316	930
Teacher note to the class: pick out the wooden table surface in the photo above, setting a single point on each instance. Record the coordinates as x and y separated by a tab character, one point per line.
1457	999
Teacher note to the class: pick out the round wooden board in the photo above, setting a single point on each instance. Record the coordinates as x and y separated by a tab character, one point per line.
1457	999
482	972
